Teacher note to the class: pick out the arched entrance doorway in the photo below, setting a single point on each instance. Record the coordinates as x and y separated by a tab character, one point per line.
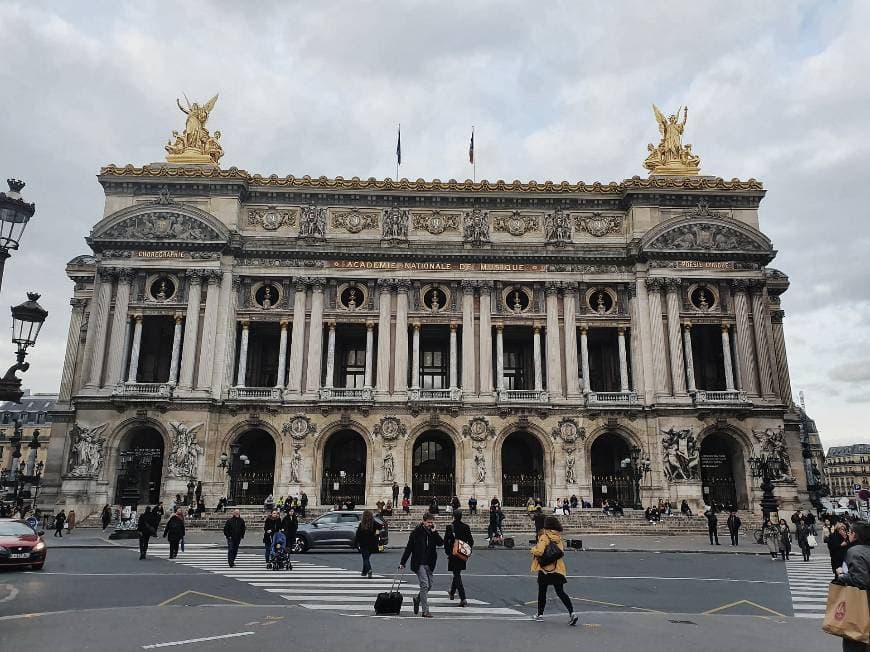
522	469
610	481
723	472
344	469
140	467
256	478
433	473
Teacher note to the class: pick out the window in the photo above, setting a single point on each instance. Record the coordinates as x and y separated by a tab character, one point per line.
6	417
40	418
327	519
348	518
354	372
433	369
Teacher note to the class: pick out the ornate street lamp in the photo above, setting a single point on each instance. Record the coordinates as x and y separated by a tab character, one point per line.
15	213
27	320
636	469
765	468
233	463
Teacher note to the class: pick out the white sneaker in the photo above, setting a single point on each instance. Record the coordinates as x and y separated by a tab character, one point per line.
573	619
538	618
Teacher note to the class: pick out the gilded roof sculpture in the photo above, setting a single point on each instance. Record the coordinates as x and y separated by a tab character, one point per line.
195	145
670	157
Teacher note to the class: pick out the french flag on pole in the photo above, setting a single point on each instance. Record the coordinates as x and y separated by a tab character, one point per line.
471	148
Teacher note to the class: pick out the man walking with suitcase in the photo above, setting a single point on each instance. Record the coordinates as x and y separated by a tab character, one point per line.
422	548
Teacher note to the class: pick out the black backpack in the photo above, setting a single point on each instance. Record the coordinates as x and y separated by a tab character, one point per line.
552	553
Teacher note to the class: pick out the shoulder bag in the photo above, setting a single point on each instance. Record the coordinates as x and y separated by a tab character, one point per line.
552	553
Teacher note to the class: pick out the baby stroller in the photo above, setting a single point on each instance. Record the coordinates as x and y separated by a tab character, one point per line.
279	556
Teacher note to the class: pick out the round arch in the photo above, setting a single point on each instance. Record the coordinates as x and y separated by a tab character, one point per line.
433	467
606	453
256	478
523	465
345	465
138	460
725	474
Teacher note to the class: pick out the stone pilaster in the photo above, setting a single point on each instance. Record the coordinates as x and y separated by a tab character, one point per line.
536	357
315	339
282	355
678	365
370	345
485	323
584	357
385	311
297	338
572	375
415	356
745	353
657	336
115	370
454	352
400	371
468	348
554	351
499	356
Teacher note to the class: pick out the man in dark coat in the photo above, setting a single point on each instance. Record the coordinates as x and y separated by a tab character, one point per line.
733	527
234	531
422	548
174	532
406	492
539	519
495	518
147	528
457	531
303	503
106	516
270	526
290	525
59	520
712	525
395	494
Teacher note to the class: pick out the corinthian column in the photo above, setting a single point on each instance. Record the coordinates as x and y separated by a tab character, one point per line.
400	372
134	352
209	330
73	340
329	381
690	362
572	376
468	349
726	357
485	318
315	339
657	336
297	338
191	330
242	373
781	358
678	368
762	346
623	360
536	357
584	357
554	353
176	350
499	356
745	354
370	344
453	355
637	370
385	309
115	370
282	355
415	356
99	317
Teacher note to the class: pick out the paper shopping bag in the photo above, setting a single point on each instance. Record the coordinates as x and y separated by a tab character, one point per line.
848	613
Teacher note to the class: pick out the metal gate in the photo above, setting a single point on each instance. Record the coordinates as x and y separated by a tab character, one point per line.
612	487
720	490
426	486
259	486
517	488
336	488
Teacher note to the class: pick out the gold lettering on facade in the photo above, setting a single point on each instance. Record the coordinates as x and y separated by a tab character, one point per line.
161	254
434	267
705	264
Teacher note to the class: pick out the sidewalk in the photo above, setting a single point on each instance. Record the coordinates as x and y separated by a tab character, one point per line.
94	538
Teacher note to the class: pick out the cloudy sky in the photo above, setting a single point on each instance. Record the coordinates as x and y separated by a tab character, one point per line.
778	91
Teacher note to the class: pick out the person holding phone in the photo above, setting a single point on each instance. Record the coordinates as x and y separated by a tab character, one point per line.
422	548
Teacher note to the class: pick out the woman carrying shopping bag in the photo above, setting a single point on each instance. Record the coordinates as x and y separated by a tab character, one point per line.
847	614
548	560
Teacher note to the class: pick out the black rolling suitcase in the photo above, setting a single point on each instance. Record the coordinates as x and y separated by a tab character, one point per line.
389	603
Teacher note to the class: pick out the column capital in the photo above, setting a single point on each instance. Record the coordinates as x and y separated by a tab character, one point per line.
106	273
654	283
569	288
484	285
757	285
584	327
726	327
237	282
245	323
453	326
498	326
621	330
370	325
536	328
125	274
195	276
415	325
467	287
385	283
317	283
631	291
551	288
179	317
214	276
672	284
138	317
776	316
403	286
284	323
687	325
740	284
330	324
77	303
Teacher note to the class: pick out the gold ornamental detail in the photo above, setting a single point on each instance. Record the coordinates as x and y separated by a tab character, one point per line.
195	145
670	157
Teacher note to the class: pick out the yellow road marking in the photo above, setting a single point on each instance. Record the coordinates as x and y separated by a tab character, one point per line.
204	595
746	602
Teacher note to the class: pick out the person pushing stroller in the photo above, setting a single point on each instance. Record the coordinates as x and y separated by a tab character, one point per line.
279	556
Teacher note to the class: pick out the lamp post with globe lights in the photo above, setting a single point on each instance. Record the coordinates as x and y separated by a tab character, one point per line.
27	320
636	468
15	213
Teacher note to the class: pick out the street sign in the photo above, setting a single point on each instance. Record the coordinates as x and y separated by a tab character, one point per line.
32	522
604	488
856	487
425	486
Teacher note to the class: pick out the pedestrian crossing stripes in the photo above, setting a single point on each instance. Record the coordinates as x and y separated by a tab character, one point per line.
808	583
325	588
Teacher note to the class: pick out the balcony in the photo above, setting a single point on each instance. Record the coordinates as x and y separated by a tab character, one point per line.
143	390
612	399
251	393
720	398
523	396
343	394
452	394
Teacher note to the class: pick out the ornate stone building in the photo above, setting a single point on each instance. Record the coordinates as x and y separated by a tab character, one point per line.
496	339
847	467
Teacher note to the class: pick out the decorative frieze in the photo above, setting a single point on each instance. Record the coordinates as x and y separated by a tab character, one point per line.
476	227
599	225
354	220
272	219
161	225
435	222
516	223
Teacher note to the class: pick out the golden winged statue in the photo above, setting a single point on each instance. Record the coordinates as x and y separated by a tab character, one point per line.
195	145
670	157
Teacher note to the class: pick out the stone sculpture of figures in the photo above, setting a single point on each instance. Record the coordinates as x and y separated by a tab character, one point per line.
313	222
476	228
670	156
267	297
296	465
389	464
773	446
184	457
480	462
195	144
86	452
570	470
395	223
681	455
557	227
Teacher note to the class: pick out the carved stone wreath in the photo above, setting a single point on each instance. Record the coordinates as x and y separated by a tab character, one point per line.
478	431
516	223
389	429
354	220
598	225
435	222
569	432
298	428
271	219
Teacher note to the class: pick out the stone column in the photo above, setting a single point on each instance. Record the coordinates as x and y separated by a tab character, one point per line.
726	356
499	356
415	356
297	338
468	348
572	375
690	362
485	320
768	338
241	375
73	340
329	382
370	345
657	336
745	353
642	340
188	355
762	347
224	340
99	316
128	337
623	360
678	375
554	354
176	349
315	339
536	357
385	309
115	371
209	330
134	352
584	357
400	371
633	340
282	355
454	352
781	359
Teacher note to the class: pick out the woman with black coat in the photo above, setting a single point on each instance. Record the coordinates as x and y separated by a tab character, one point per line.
837	544
367	541
457	530
106	516
146	529
59	520
270	526
174	532
290	525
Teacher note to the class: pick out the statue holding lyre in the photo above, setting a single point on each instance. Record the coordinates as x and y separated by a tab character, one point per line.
670	156
195	145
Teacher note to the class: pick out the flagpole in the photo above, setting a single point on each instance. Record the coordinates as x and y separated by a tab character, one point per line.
398	152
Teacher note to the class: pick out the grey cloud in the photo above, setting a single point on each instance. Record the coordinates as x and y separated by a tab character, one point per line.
857	371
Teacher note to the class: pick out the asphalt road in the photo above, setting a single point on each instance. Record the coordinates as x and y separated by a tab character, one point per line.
687	599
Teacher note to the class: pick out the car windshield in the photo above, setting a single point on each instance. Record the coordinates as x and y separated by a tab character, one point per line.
12	529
